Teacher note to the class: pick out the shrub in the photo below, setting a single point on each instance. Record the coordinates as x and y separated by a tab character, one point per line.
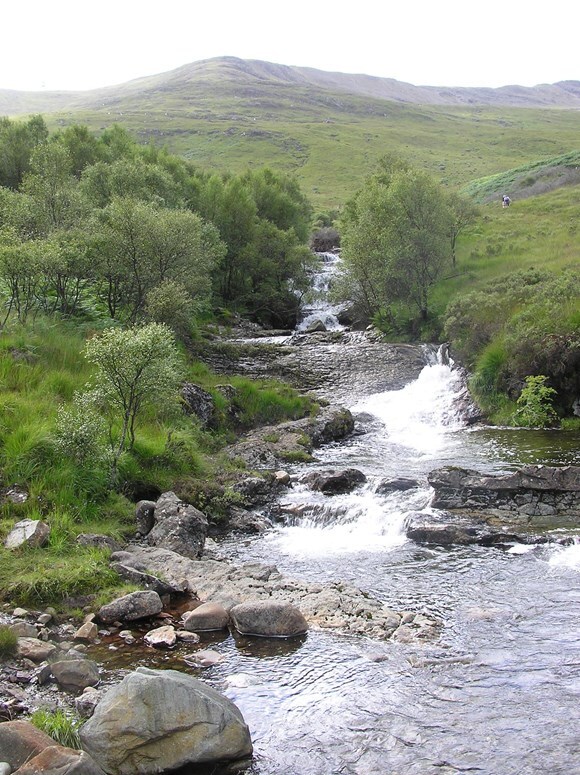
535	404
63	729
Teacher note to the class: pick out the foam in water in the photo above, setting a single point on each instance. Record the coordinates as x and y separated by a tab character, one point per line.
420	418
422	415
566	557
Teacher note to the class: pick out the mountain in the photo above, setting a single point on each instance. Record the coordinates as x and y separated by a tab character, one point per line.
328	129
564	94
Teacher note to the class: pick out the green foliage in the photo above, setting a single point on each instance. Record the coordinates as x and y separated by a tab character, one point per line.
17	142
8	642
63	728
135	368
396	239
535	408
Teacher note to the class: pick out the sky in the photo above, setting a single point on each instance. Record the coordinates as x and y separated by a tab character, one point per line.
71	44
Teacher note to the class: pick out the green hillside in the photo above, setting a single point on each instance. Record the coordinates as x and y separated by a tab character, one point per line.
327	129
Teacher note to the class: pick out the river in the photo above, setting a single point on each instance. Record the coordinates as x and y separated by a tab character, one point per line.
498	692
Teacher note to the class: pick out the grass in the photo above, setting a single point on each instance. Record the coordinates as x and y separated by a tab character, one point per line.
536	233
41	366
331	140
63	728
8	642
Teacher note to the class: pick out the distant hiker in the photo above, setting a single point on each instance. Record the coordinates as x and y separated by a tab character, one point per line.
505	201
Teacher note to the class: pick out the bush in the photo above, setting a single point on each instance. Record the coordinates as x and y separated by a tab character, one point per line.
535	404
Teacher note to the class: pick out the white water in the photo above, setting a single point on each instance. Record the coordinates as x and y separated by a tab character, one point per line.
316	306
497	694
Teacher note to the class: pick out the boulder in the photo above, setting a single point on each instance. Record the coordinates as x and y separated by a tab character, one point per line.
144	517
35	649
268	619
87	633
32	532
335	482
243	521
398	484
200	403
160	720
75	675
161	637
314	327
178	526
57	760
135	605
24	630
86	702
20	741
206	617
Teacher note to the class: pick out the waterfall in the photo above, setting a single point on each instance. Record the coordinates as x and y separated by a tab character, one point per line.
316	307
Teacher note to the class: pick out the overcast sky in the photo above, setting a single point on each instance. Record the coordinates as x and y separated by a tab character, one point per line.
71	44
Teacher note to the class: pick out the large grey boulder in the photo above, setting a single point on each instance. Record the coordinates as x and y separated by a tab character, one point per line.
199	402
159	720
32	532
58	760
144	516
268	619
178	526
135	605
20	741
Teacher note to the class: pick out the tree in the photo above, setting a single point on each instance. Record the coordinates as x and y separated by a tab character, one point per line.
463	214
17	141
141	246
52	187
396	238
135	368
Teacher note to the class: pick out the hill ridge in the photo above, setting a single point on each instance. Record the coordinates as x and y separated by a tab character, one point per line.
563	94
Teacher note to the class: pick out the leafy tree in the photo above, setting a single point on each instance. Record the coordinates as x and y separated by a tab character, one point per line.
18	139
396	238
135	368
83	148
279	200
52	188
131	178
141	246
463	213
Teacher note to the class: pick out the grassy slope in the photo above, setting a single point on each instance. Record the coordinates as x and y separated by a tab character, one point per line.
329	139
539	232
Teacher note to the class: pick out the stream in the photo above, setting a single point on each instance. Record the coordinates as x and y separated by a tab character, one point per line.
498	692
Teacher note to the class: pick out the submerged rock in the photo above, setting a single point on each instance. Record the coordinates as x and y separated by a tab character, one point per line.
268	619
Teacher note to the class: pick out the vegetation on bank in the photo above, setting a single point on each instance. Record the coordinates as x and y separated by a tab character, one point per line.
104	242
